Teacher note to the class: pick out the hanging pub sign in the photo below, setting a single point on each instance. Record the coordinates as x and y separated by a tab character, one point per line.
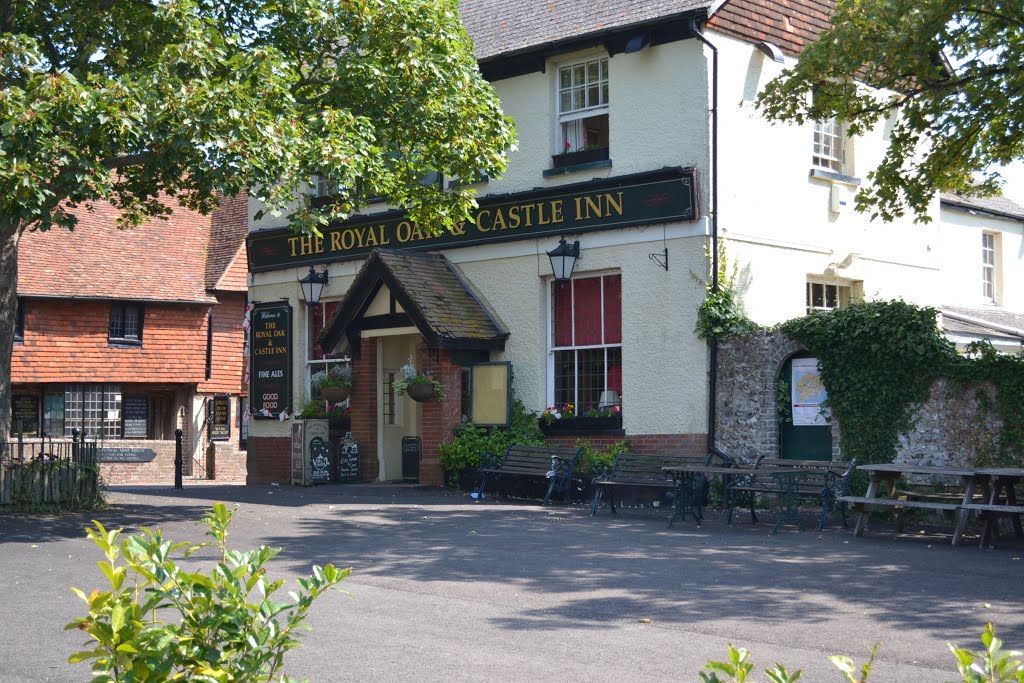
134	416
25	415
620	202
271	360
219	418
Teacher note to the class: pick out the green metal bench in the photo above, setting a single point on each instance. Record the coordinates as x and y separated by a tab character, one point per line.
544	462
637	469
792	480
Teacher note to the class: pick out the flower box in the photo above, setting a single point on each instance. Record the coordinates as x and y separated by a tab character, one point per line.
581	424
584	156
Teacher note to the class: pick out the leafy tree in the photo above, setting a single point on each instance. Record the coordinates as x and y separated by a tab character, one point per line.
948	125
133	101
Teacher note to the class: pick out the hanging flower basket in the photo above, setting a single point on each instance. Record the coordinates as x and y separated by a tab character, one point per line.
335	394
421	392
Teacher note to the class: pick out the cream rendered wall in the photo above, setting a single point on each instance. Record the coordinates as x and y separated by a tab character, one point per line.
664	364
960	256
777	222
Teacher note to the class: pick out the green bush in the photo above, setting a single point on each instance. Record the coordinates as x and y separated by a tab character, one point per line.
217	631
991	665
470	442
590	458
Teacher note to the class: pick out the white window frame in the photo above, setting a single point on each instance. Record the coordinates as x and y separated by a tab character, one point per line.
315	365
989	267
585	112
849	286
828	149
551	348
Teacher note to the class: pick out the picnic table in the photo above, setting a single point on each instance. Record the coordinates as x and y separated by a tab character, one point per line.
1000	501
886	475
688	486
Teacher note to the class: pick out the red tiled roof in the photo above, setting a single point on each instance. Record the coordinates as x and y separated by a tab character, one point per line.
229	226
789	24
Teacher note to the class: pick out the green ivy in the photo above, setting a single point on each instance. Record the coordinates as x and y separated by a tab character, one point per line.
720	315
879	361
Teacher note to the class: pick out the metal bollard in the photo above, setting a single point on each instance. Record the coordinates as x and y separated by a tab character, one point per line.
177	459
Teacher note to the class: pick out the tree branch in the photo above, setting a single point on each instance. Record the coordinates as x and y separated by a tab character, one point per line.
126	160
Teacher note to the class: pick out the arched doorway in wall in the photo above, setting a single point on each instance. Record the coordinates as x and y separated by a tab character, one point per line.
805	430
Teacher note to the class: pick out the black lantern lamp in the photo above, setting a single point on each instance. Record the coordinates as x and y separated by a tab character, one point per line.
313	286
563	259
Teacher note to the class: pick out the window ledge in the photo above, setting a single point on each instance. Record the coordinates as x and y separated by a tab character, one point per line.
124	344
822	174
575	168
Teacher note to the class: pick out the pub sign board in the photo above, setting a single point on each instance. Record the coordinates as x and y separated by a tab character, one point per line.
271	360
623	201
219	418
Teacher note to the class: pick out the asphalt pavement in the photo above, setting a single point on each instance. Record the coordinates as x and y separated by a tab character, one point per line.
446	588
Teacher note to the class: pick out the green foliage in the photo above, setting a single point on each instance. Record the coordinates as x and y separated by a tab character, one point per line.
984	365
42	485
408	375
218	630
947	128
878	361
591	460
313	409
720	315
470	442
336	376
992	665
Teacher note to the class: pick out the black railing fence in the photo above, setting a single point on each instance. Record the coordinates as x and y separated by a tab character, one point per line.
48	471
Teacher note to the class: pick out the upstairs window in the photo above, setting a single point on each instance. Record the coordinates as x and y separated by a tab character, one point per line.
825	296
583	109
586	340
988	267
19	323
829	146
125	325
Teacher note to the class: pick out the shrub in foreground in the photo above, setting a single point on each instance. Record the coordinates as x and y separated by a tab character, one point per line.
159	622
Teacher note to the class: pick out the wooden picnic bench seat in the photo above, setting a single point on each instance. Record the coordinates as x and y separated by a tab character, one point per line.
824	480
544	462
990	514
637	469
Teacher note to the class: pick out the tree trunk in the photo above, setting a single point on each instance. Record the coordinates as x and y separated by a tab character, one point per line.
10	231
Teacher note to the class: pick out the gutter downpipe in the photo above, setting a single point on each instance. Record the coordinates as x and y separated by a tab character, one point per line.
712	344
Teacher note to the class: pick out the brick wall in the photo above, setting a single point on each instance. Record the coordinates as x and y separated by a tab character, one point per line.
160	470
364	408
67	341
269	460
653	444
439	418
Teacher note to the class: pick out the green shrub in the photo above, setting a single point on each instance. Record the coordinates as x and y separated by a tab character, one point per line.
470	442
991	665
590	458
217	631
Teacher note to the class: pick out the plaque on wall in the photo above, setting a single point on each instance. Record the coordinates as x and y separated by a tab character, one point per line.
271	360
109	454
135	414
219	418
25	415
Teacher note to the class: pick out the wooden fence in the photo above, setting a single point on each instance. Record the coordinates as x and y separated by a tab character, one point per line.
49	472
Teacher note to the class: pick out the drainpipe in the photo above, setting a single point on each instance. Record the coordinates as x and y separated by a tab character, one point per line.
713	344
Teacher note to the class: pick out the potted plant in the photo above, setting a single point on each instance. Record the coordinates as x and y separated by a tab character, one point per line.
335	384
313	409
564	418
419	386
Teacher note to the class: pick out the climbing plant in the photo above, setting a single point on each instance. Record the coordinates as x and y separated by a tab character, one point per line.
721	315
878	361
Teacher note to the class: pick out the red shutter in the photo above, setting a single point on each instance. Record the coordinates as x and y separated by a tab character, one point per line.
587	309
561	316
613	310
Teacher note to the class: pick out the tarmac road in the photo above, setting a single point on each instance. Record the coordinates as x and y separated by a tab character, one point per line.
445	588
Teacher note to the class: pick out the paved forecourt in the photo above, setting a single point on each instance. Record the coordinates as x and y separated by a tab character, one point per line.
446	588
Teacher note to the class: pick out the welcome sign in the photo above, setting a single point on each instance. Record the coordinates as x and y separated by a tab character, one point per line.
625	201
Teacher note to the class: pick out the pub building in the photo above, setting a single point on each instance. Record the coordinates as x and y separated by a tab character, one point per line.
579	277
129	335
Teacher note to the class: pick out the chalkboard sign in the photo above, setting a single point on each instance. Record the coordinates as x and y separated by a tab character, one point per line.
412	453
135	413
348	459
319	460
25	415
219	418
125	454
271	361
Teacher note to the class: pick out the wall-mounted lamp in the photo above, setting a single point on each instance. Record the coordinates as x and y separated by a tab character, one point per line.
563	259
772	50
313	286
637	43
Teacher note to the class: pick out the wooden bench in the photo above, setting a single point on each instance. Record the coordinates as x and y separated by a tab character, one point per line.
824	480
636	469
990	514
543	462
